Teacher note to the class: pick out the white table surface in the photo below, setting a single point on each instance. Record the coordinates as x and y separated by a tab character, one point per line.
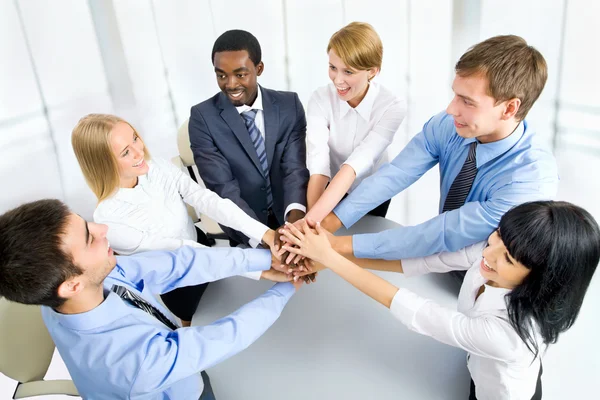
333	342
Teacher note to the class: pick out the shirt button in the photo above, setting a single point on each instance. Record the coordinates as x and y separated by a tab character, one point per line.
263	188
264	210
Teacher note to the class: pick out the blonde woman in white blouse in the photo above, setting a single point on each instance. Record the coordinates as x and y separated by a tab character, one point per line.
522	289
350	122
143	201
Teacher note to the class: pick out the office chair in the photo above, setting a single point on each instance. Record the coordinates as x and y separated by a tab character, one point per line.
186	159
26	350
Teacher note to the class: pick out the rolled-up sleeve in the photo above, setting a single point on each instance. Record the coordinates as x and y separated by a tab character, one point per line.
317	137
447	261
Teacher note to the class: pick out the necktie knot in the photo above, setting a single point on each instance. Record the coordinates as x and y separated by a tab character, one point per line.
249	115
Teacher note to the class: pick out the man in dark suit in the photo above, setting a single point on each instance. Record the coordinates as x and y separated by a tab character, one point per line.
248	141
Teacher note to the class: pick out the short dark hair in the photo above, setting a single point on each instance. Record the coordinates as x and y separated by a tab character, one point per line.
513	68
560	244
33	262
237	40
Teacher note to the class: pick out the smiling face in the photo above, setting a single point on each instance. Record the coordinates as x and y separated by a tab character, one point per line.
128	150
237	76
499	267
87	244
475	112
351	85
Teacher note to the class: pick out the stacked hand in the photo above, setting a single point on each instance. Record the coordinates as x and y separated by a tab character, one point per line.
312	243
281	271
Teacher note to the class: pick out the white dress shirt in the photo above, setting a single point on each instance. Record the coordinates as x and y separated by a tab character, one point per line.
259	120
153	214
338	134
500	363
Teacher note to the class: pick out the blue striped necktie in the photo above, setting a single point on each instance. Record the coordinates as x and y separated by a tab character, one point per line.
463	182
259	144
142	304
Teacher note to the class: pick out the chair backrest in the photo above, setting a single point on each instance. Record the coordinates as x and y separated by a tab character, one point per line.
183	144
26	347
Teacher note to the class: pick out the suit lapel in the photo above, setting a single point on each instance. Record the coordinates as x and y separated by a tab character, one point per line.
271	112
236	123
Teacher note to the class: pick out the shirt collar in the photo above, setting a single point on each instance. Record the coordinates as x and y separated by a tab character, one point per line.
111	309
366	105
492	298
257	105
132	195
489	151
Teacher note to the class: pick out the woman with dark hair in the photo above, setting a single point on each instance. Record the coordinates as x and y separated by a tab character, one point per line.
523	287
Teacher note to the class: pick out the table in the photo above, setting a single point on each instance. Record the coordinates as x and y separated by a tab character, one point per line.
333	342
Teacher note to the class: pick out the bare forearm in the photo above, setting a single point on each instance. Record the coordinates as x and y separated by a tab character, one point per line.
336	190
331	223
342	245
316	187
378	265
295	215
370	284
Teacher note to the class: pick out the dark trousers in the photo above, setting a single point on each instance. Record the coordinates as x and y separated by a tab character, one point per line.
272	223
536	396
207	393
381	210
183	301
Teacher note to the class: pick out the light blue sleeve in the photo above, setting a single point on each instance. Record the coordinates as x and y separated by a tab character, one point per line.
187	351
418	157
452	230
163	271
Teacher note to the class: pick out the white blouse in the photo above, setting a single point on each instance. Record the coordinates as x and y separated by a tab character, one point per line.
500	363
338	134
153	214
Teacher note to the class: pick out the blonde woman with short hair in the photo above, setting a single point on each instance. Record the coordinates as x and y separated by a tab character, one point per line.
350	122
142	200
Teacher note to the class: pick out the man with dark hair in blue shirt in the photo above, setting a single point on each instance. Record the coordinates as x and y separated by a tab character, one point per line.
116	340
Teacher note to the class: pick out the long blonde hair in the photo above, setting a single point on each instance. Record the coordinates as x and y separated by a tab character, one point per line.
91	143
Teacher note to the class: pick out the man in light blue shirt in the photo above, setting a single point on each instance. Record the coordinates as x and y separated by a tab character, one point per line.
496	83
113	348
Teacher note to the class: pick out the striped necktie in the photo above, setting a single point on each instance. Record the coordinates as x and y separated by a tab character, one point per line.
463	182
142	304
259	144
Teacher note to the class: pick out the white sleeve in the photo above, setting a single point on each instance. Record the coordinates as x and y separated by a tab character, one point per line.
369	151
223	211
460	260
126	240
317	138
486	336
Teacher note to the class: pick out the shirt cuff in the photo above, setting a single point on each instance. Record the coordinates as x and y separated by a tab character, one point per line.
414	267
405	306
360	166
294	206
253	243
254	275
255	231
285	289
258	260
364	245
344	212
319	167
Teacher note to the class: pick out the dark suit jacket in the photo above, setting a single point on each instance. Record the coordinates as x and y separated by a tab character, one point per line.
228	163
